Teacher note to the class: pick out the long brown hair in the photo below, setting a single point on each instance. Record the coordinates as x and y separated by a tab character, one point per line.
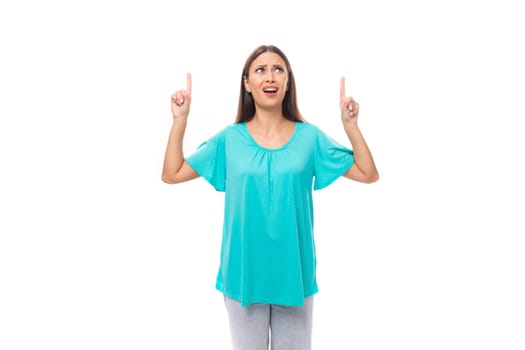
246	109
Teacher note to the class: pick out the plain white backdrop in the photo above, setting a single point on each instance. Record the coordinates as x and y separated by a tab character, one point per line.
97	253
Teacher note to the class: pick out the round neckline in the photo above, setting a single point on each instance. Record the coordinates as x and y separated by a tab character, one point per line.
290	139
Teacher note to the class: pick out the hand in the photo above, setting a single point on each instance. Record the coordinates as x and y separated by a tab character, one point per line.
349	107
181	100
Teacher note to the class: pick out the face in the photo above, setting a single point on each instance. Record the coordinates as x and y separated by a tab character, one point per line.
267	80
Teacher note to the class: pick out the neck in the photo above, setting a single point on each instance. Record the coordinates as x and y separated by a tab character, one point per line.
268	126
268	121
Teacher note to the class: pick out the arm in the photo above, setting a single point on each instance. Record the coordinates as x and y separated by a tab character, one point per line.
364	168
175	168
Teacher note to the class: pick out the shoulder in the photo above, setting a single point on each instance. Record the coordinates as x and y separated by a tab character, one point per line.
232	134
309	129
310	126
234	131
225	131
317	136
233	128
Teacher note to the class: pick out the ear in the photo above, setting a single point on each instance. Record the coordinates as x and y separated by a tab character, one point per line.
246	84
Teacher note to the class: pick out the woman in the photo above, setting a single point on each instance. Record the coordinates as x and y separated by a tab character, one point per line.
267	163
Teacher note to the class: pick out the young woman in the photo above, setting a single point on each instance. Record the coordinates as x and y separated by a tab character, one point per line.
268	163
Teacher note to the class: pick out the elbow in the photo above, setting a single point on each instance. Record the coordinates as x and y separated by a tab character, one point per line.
372	178
355	173
170	180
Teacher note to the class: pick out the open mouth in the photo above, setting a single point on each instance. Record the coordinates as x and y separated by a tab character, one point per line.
270	90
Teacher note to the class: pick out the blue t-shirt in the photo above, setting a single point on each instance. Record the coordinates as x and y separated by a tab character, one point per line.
268	249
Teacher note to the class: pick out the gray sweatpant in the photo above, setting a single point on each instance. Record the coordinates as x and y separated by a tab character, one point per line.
255	326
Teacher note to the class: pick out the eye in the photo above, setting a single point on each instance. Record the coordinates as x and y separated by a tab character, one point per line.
259	70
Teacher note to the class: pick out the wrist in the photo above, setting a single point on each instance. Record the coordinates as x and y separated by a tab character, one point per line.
180	120
350	125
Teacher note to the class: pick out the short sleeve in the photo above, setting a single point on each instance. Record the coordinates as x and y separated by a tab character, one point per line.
331	160
209	161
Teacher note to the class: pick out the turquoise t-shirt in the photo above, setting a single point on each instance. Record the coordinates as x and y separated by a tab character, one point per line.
268	249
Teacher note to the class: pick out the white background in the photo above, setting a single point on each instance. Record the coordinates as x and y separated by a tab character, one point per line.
97	253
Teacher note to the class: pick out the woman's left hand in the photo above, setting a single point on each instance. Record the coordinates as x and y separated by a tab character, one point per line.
349	107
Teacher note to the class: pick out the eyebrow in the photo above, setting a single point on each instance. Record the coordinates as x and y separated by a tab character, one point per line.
265	65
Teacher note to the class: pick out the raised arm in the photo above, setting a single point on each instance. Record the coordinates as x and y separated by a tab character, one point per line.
175	168
364	168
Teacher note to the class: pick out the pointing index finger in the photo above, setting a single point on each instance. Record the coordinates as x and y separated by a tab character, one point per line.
342	88
188	84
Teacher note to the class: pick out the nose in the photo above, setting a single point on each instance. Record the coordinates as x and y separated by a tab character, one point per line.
269	76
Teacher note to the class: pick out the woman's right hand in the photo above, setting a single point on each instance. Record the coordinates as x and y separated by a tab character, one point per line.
181	100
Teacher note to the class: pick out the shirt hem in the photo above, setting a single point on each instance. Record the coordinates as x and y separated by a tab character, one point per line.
258	300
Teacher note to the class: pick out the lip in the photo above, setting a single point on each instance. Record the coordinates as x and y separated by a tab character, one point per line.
270	87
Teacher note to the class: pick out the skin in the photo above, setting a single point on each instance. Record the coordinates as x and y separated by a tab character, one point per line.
364	168
176	169
269	127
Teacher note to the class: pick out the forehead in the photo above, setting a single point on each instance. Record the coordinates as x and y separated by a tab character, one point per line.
268	58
